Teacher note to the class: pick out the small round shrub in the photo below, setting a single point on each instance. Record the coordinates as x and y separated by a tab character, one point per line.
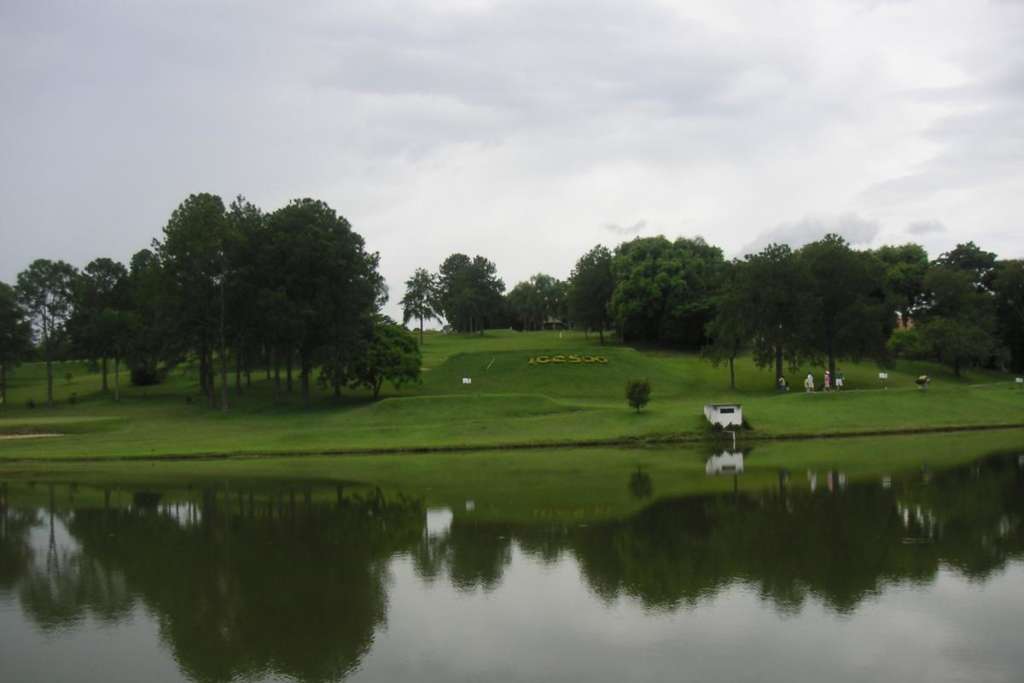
638	393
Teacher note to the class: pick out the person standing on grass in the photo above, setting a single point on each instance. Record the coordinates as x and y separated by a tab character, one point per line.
827	385
809	383
840	380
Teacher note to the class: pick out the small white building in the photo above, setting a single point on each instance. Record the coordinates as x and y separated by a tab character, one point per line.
726	462
724	415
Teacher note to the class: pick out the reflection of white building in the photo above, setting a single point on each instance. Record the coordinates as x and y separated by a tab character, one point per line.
726	462
724	415
439	521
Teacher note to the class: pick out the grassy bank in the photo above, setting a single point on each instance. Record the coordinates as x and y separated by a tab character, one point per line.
510	402
576	484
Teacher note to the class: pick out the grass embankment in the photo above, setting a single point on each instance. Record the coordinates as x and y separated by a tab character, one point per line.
509	403
573	485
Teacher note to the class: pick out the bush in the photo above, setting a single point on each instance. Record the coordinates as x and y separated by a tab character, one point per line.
638	393
73	399
144	376
909	344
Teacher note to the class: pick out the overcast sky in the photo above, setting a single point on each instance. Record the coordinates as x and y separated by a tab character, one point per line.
524	131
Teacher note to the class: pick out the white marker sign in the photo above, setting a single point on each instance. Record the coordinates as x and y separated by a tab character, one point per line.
467	380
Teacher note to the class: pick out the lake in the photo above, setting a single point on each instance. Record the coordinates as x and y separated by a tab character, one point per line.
799	575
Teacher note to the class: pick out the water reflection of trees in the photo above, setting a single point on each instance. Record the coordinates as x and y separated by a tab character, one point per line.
839	547
239	587
243	586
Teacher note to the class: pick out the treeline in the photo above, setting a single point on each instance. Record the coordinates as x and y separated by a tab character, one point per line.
821	302
230	288
235	290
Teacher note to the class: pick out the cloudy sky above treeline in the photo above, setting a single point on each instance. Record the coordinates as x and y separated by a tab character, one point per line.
524	131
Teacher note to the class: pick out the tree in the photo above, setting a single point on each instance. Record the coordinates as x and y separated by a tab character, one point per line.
330	284
246	238
391	355
905	268
638	393
44	290
98	290
664	290
959	326
533	302
848	313
15	336
1008	285
420	300
729	330
469	292
590	290
970	258
150	341
193	254
766	298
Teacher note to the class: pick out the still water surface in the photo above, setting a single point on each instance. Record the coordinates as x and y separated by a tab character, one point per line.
917	577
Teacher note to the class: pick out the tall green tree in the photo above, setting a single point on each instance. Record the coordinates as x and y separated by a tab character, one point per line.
420	299
99	290
150	339
193	253
730	330
45	291
247	237
664	289
540	298
972	259
905	268
849	314
1008	285
591	285
960	324
330	283
15	336
469	292
767	297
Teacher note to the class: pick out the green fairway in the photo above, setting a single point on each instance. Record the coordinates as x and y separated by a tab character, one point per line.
509	402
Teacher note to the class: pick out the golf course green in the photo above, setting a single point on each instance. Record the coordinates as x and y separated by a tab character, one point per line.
510	402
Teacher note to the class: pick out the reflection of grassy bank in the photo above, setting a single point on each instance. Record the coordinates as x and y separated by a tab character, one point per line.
509	403
567	484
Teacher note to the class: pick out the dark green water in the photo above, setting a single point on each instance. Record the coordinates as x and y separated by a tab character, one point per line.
912	578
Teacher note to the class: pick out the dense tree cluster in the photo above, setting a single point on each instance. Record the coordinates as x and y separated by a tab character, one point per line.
294	291
225	287
819	303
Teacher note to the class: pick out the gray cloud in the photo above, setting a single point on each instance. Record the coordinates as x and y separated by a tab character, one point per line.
626	230
926	228
856	230
508	129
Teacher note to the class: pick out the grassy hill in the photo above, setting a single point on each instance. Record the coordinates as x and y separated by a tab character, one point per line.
510	402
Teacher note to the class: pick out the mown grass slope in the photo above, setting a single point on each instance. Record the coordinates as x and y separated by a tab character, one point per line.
509	402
